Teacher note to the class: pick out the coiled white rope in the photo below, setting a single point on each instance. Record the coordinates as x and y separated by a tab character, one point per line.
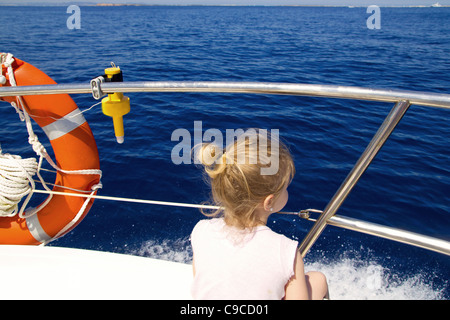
16	182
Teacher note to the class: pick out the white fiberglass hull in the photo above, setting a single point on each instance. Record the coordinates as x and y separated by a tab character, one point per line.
31	272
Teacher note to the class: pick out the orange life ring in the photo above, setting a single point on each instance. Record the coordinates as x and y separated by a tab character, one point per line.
75	149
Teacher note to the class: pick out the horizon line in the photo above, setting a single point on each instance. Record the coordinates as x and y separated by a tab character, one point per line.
87	4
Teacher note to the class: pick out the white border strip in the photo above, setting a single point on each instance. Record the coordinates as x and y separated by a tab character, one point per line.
36	230
64	125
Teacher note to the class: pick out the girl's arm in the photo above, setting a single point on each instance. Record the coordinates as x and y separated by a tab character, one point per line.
296	288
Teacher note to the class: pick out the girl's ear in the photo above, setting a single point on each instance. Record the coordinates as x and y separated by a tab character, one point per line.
268	202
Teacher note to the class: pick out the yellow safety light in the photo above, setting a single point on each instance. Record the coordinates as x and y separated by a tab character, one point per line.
116	105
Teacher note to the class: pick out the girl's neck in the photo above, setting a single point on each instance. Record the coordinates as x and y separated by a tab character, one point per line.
261	217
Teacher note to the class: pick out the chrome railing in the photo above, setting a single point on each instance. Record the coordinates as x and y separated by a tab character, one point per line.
330	91
402	99
363	163
411	238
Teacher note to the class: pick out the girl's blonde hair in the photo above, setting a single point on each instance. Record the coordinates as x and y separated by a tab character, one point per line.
235	174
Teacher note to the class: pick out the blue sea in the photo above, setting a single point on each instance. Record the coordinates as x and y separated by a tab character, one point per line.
407	186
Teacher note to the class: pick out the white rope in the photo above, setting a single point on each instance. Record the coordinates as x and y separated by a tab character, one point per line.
16	182
154	202
77	216
92	196
6	60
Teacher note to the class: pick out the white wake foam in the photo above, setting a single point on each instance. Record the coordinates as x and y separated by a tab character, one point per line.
178	250
353	279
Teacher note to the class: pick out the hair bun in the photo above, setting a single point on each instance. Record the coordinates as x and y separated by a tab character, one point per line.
207	154
210	155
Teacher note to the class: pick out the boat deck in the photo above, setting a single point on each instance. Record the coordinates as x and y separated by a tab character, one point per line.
62	273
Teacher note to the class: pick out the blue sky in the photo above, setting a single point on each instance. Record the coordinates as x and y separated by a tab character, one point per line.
255	2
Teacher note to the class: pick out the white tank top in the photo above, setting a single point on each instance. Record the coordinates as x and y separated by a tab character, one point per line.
235	264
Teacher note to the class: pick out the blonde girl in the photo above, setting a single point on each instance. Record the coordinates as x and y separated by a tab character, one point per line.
236	256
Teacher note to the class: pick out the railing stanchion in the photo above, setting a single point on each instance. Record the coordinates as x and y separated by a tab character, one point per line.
361	165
